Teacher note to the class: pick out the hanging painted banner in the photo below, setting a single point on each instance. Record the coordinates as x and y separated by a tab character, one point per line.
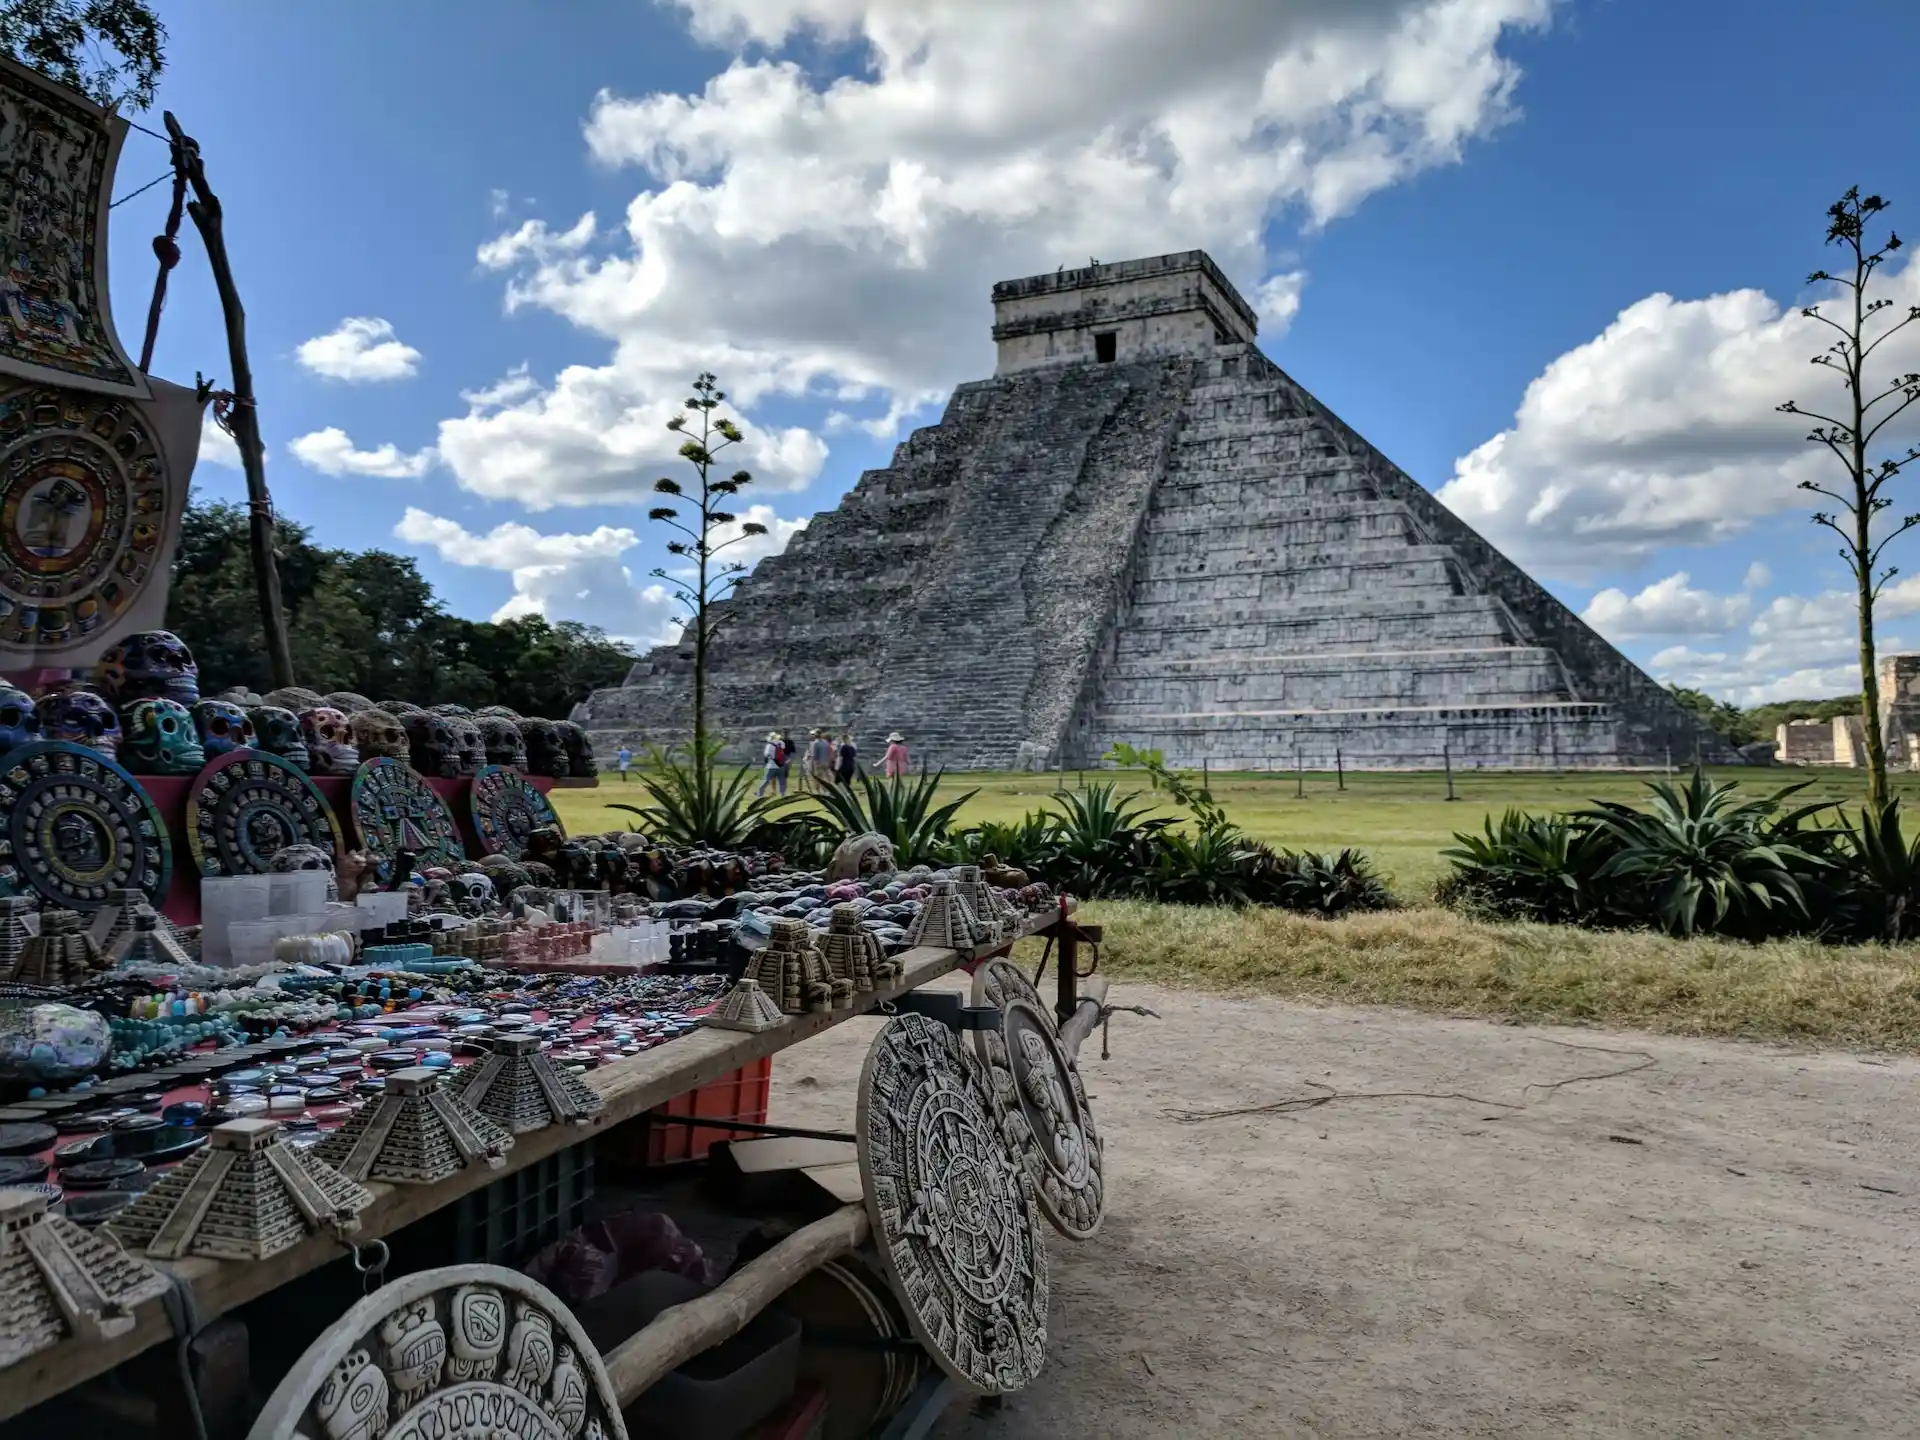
95	457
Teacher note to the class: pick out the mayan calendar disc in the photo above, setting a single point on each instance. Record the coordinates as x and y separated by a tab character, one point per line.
1044	1115
953	1213
74	826
246	806
470	1350
506	810
395	810
998	980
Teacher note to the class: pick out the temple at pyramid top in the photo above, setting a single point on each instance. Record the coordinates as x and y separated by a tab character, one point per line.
1141	529
1168	305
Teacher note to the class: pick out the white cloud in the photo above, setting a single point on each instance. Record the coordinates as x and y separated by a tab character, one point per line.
1278	301
1666	607
1662	431
750	550
216	445
331	452
360	348
838	236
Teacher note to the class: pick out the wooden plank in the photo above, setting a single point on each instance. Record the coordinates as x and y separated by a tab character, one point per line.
630	1087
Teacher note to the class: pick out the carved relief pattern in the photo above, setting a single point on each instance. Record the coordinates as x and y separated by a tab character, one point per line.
1043	1113
247	807
506	810
77	827
954	1216
395	810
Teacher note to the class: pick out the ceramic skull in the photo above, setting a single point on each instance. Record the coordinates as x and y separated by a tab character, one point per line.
290	858
433	744
399	709
330	749
580	761
503	741
277	731
473	892
224	727
148	663
79	716
160	739
349	702
546	749
376	733
450	709
470	751
292	697
18	723
502	711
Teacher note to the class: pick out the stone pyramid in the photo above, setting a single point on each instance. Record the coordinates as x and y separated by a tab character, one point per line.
745	1007
61	1280
520	1088
1141	529
418	1133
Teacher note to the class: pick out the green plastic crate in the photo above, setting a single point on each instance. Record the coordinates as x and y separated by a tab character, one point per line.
517	1214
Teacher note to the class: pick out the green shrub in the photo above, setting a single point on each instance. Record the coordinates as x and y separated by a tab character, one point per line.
697	805
1528	867
1104	841
901	808
1340	883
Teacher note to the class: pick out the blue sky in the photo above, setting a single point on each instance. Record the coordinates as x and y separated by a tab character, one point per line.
1543	254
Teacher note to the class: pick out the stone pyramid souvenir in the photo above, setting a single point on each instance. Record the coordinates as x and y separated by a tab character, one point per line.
60	1280
417	1133
945	922
150	941
62	954
745	1007
855	954
520	1088
791	971
247	1196
983	902
19	921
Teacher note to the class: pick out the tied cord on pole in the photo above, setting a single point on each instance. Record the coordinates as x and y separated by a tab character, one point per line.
166	249
224	404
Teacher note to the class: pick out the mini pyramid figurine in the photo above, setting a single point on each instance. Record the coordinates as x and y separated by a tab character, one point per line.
19	921
980	899
791	971
944	921
62	954
150	941
745	1007
520	1088
60	1280
416	1134
247	1196
855	954
115	918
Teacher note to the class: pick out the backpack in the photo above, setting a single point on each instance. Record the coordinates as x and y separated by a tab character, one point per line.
779	753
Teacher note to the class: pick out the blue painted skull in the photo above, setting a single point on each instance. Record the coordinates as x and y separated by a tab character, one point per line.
148	664
223	727
277	731
79	716
160	739
18	724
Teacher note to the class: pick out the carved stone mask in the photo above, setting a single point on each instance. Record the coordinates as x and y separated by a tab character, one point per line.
580	761
161	739
305	857
431	739
223	727
503	741
277	731
20	726
149	663
470	751
377	734
330	748
81	717
504	712
546	750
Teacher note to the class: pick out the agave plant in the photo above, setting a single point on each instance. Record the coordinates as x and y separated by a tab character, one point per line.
695	804
1028	843
1105	841
1534	867
1208	867
1885	872
1313	884
901	808
1704	860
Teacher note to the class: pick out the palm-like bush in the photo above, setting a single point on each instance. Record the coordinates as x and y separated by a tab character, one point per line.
1529	867
1324	885
1208	867
901	808
698	804
1104	841
1701	860
1028	843
1883	874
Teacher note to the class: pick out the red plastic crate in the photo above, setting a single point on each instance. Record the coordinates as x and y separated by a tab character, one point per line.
742	1095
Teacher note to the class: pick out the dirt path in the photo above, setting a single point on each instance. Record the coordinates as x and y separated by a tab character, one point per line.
1724	1242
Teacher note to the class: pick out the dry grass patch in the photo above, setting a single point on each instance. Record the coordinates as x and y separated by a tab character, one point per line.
1863	996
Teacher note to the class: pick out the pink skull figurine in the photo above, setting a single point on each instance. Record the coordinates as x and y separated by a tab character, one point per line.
330	748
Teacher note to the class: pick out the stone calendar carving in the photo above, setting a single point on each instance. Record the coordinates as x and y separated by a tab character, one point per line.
472	1350
507	809
416	1133
997	981
247	1196
954	1218
520	1087
62	1281
1043	1113
77	827
247	807
395	810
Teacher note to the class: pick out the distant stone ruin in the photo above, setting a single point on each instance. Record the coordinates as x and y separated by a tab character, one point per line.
1141	529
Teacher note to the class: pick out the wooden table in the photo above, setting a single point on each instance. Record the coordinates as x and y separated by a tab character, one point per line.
630	1087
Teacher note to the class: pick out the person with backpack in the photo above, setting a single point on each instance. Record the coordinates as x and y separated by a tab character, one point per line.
820	760
774	758
849	757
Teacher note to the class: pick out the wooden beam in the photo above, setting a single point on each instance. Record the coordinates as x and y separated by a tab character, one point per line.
1085	1017
682	1331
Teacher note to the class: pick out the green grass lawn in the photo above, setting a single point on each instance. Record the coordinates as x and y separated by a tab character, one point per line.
1402	819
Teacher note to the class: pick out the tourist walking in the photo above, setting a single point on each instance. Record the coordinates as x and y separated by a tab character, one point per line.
894	763
820	760
786	759
775	773
849	757
622	758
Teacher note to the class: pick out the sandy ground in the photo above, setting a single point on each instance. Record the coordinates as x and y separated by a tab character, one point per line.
1724	1242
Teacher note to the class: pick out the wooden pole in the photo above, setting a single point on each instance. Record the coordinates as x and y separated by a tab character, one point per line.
207	216
1299	773
1339	768
1446	758
1085	1017
1066	976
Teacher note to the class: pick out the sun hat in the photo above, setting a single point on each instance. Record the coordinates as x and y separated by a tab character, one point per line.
773	737
896	738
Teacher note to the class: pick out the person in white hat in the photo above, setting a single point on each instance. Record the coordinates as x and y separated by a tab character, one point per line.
775	773
894	762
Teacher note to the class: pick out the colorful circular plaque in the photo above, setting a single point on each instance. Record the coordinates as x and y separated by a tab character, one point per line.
506	810
248	805
395	810
83	509
74	825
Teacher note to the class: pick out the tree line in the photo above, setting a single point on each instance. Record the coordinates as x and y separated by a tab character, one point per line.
368	621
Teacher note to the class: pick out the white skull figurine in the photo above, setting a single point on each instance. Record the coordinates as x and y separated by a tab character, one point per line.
473	892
